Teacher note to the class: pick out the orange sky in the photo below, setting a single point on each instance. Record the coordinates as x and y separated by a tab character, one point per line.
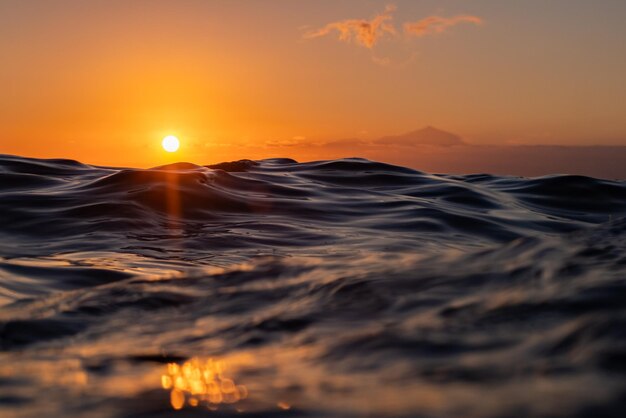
104	81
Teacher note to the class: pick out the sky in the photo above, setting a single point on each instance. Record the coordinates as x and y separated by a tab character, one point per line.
104	81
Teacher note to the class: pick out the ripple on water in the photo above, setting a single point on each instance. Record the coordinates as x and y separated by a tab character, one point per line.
337	288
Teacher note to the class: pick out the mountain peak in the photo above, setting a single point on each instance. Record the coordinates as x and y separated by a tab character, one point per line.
428	135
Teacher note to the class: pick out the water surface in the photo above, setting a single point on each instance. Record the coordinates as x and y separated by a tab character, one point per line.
342	288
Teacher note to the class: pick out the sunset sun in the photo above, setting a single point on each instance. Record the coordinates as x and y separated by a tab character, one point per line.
170	143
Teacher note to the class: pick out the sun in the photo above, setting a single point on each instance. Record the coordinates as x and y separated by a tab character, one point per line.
170	143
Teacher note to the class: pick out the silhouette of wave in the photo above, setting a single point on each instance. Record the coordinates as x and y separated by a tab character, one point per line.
332	288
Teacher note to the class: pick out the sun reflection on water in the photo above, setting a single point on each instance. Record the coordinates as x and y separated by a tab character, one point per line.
200	382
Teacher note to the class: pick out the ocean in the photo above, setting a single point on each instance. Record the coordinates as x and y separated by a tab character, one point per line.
344	288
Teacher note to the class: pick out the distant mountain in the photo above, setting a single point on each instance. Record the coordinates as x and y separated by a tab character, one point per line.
425	136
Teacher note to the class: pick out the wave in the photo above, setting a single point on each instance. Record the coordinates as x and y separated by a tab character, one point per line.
330	288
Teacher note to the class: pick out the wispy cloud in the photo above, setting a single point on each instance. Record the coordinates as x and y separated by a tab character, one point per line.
368	32
432	25
364	32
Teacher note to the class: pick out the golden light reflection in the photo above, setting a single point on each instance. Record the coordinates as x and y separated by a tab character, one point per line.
200	382
283	405
173	206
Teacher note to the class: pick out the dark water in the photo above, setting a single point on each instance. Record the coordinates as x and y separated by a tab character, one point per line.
344	288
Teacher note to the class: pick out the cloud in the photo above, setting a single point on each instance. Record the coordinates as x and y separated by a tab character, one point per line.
432	25
367	33
364	32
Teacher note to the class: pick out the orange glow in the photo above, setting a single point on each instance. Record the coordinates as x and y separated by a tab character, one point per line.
283	405
201	383
104	84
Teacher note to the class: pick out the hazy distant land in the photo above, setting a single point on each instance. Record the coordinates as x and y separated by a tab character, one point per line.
433	150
